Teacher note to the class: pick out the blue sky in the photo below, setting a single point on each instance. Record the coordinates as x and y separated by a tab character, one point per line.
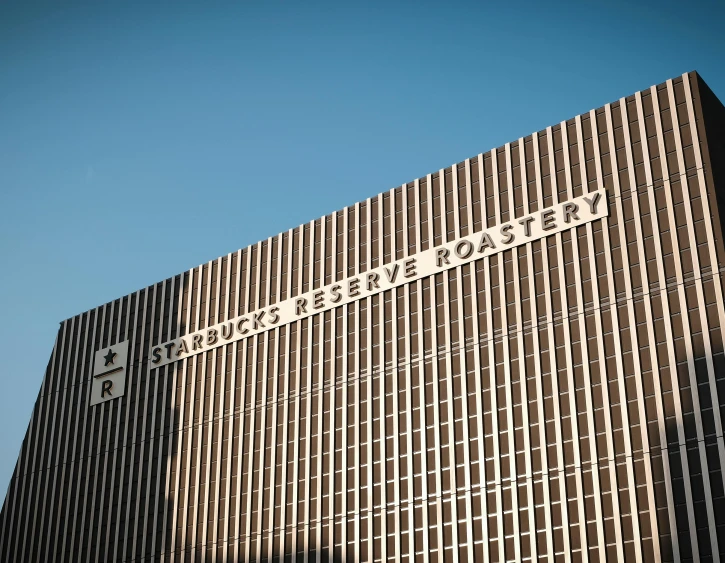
138	141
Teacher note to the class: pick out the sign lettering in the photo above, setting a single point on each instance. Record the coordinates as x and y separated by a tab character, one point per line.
493	240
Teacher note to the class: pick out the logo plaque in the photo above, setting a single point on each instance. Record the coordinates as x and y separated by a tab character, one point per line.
109	373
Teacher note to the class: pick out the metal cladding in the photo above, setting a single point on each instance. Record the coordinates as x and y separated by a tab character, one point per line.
433	374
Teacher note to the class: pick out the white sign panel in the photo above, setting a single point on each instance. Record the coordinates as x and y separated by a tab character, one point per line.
535	226
109	373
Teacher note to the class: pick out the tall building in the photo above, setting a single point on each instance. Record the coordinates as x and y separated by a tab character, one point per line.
517	358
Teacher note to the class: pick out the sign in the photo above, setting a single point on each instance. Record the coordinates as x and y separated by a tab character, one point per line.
109	373
535	226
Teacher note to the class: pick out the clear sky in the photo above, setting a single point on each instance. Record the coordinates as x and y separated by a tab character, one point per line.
138	141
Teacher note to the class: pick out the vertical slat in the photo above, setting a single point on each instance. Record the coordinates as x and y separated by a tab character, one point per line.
476	333
211	414
221	315
275	394
461	348
553	363
88	351
508	407
543	436
197	421
425	547
183	435
263	406
298	372
269	372
95	439
321	389
371	375
130	333
278	376
241	535
393	373
333	388
436	383
519	324
527	253
247	537
379	371
308	413
407	365
356	380
571	384
240	446
98	411
446	348
194	361
170	373
285	420
219	416
231	415
496	481
344	374
147	530
117	440
200	423
539	394
258	338
492	367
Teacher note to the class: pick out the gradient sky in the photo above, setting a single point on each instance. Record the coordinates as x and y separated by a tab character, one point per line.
137	142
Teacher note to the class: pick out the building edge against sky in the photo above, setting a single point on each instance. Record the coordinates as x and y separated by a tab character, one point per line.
515	358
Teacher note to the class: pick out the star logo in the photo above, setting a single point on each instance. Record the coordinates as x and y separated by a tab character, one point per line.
109	357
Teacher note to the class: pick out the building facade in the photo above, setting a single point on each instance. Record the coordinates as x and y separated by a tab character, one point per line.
517	358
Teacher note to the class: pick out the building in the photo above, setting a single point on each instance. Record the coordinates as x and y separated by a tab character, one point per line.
519	357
